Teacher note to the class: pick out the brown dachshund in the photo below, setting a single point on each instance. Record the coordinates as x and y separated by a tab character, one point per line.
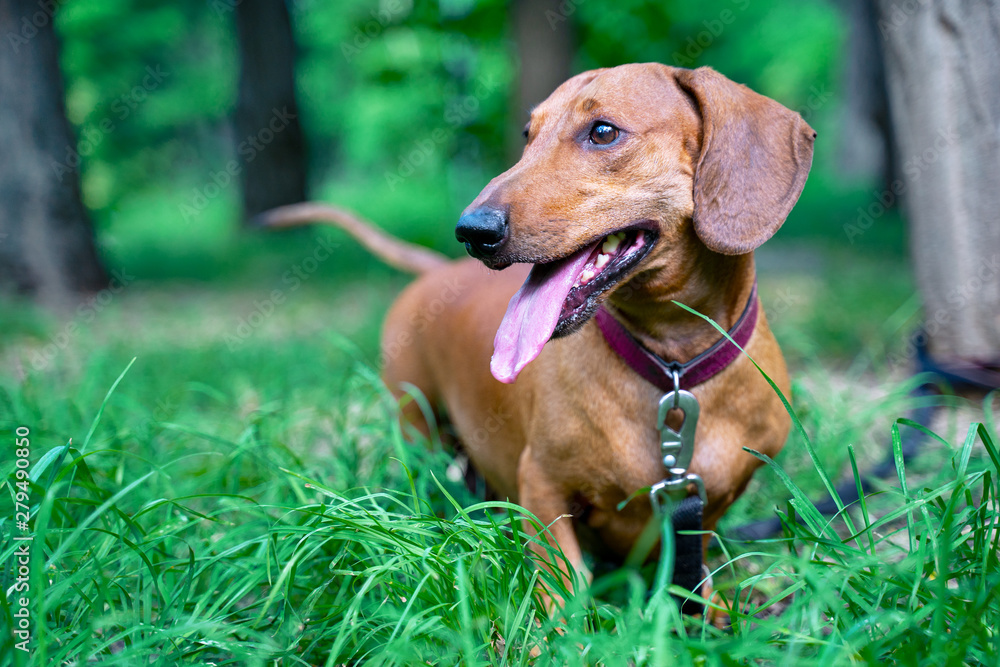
640	185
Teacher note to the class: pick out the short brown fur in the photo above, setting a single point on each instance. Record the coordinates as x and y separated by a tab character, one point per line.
715	168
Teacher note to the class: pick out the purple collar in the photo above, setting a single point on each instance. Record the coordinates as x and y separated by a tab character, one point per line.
659	372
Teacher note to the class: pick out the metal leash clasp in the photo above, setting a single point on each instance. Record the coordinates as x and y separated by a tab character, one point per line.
677	447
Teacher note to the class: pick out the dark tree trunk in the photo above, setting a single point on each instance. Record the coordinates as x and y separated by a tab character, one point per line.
943	70
866	150
269	143
46	239
544	37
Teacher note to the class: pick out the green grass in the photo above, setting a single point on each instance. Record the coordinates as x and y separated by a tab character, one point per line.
257	504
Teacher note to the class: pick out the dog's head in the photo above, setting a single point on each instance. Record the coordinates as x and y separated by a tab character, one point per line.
623	167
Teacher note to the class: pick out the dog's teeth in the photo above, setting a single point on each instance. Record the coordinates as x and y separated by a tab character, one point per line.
611	244
602	261
587	276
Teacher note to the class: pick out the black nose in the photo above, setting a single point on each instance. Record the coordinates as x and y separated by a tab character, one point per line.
482	231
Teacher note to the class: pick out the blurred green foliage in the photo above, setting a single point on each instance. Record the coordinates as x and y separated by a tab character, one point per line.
406	105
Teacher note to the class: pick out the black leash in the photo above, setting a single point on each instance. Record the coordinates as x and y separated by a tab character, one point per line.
963	378
689	558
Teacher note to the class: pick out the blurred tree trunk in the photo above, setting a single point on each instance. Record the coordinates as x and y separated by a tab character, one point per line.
943	70
543	31
46	239
866	149
269	144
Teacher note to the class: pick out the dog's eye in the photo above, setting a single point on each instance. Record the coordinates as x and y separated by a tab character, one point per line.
603	134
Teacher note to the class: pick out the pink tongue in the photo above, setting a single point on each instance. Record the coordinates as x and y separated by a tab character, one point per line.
533	313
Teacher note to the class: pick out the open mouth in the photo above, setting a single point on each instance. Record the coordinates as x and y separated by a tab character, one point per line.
558	297
607	263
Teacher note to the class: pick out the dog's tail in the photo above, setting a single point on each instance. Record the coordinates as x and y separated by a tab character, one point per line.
394	252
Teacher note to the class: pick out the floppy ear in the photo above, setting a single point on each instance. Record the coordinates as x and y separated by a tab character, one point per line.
755	156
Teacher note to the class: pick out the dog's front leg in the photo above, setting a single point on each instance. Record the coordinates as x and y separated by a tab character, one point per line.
544	497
